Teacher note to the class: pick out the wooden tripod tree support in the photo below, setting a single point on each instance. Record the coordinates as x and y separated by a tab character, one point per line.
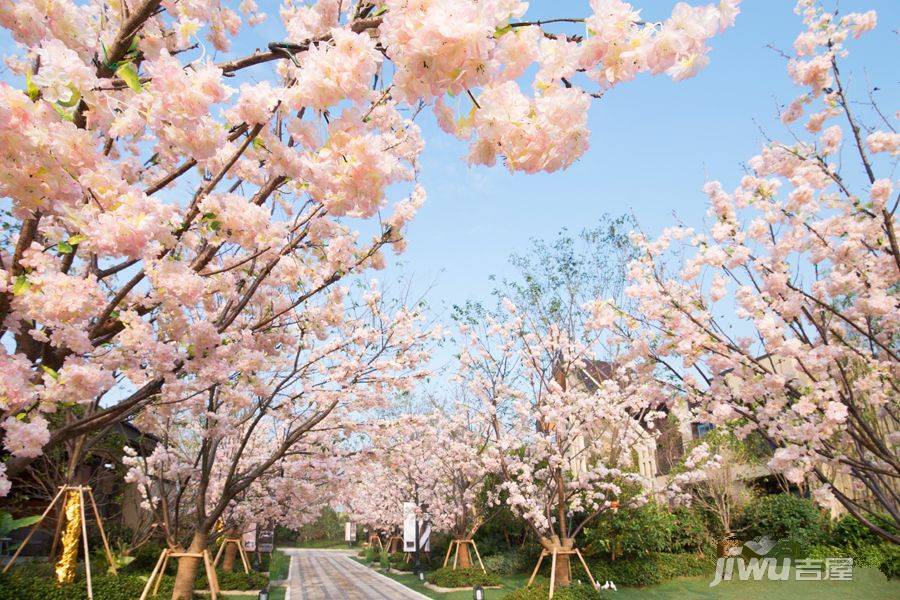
240	546
375	538
554	553
81	490
456	544
159	570
394	544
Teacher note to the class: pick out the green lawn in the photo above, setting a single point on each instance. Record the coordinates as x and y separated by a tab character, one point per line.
278	565
511	582
867	584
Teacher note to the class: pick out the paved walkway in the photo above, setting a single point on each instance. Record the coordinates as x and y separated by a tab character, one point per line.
334	575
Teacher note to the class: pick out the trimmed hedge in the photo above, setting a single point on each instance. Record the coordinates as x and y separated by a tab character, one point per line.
510	562
449	578
235	580
19	585
542	590
872	555
652	569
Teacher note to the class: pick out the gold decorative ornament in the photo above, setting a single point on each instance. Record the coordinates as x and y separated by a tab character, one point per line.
74	511
68	556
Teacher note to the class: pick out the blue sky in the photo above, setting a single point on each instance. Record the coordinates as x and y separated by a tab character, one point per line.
654	143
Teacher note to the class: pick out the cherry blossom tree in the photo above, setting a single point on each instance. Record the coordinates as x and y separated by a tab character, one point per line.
562	431
438	459
163	226
266	440
783	315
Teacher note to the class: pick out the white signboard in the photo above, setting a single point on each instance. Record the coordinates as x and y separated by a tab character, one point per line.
249	539
409	527
349	532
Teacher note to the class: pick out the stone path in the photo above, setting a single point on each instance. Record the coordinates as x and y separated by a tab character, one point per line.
334	575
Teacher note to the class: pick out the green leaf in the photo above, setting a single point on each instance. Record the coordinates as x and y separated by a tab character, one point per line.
77	239
75	99
129	75
62	112
21	285
50	372
24	522
32	90
380	11
65	248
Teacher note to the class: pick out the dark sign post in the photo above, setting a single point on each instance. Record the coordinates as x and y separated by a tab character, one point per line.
265	538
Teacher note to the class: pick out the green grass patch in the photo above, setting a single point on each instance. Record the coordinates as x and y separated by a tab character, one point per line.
279	565
509	583
867	584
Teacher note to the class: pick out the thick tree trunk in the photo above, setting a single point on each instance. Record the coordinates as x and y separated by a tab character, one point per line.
563	570
465	558
188	568
231	552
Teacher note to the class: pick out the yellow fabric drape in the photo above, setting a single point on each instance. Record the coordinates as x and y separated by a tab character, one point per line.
68	556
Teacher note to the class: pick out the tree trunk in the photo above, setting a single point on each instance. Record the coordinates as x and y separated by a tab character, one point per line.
465	559
563	570
188	568
231	551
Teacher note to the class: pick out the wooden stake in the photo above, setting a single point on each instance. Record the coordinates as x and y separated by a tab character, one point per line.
474	547
34	527
449	550
586	569
162	571
109	555
147	587
553	574
87	558
537	566
244	557
211	576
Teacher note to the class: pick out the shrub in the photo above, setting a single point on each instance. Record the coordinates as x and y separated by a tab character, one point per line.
398	562
688	532
849	531
235	580
20	585
890	566
872	555
542	590
631	531
509	562
784	517
371	555
449	578
647	570
384	560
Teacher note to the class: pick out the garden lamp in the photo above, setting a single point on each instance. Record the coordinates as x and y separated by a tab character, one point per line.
478	592
264	594
422	576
